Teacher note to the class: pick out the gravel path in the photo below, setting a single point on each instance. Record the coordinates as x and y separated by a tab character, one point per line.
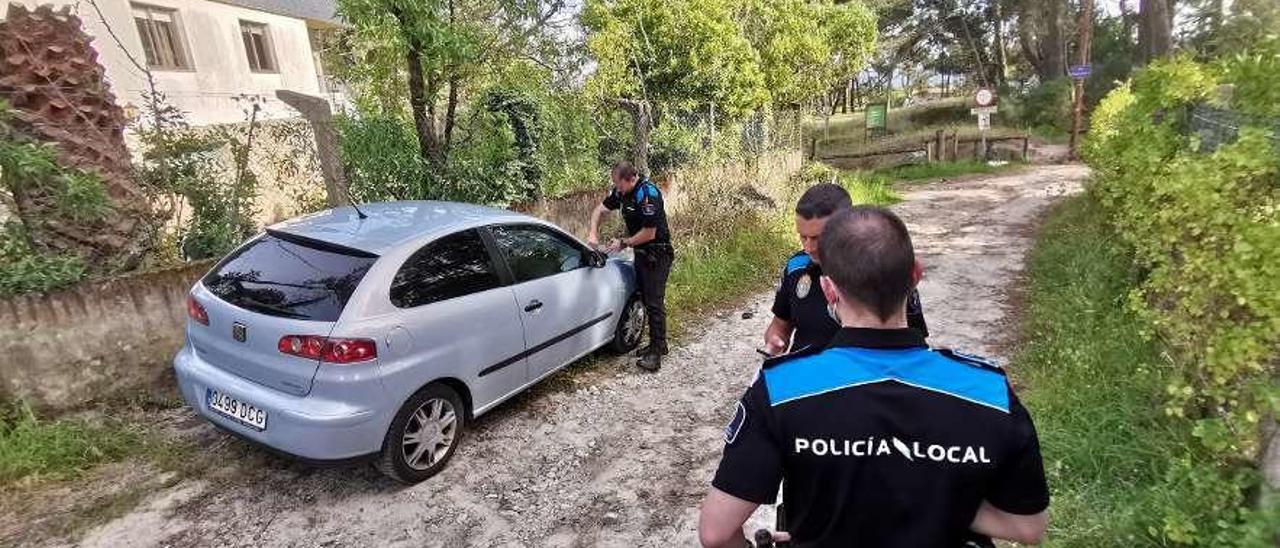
601	454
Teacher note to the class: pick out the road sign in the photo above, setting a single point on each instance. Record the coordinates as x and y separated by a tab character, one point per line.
983	110
984	97
1080	72
984	121
876	115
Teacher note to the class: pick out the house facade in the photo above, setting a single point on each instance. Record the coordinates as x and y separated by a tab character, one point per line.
212	59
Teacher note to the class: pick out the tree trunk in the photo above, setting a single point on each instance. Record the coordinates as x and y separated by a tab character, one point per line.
450	115
642	123
1155	35
1001	57
1053	47
418	104
1027	17
1126	17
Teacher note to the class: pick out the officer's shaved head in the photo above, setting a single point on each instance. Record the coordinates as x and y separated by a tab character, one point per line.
867	252
821	200
624	170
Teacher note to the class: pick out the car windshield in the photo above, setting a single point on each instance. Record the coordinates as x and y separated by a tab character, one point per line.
281	275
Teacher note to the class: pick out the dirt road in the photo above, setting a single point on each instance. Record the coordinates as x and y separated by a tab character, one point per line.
601	454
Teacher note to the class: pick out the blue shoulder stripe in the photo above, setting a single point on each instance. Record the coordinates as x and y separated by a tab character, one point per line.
649	190
841	368
798	261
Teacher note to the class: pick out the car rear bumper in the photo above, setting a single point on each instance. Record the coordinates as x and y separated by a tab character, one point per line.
311	428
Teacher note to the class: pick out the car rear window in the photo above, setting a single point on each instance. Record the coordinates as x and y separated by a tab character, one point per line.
290	277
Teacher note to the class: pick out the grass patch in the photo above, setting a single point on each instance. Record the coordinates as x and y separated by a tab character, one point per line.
1115	460
32	449
918	172
1094	381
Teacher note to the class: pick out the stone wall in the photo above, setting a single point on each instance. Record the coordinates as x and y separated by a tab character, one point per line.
94	341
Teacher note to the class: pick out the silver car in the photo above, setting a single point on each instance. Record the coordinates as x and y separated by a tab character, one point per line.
343	335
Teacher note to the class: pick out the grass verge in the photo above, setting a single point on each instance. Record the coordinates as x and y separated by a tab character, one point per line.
32	449
1115	461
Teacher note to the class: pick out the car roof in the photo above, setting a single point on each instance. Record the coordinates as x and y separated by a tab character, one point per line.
391	224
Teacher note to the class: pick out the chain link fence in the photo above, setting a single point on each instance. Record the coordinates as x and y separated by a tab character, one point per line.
1216	126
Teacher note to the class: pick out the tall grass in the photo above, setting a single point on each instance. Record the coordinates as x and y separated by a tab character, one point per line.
1094	383
31	448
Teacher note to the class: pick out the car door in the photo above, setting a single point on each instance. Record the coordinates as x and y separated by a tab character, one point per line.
563	312
461	316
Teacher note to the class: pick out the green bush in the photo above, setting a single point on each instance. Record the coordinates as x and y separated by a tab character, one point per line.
382	159
22	270
1204	230
1046	107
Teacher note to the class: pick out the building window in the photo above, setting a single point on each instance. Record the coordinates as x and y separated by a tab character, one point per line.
257	46
161	34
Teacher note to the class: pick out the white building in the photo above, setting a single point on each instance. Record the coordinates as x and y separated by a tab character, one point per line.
209	58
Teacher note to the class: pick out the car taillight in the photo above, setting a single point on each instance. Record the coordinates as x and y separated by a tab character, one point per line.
330	350
196	311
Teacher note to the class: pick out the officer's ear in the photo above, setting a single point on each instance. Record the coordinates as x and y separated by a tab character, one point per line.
829	290
917	272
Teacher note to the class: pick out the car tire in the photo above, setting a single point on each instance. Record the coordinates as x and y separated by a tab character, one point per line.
437	408
630	328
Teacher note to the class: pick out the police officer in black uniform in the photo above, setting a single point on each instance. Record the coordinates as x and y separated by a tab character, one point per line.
642	210
801	317
882	441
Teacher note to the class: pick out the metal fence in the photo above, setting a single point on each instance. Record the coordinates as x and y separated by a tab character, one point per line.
1216	127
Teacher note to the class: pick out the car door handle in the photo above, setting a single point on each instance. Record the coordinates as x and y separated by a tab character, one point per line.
533	305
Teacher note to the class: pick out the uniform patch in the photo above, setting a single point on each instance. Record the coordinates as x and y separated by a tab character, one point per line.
803	285
648	208
735	425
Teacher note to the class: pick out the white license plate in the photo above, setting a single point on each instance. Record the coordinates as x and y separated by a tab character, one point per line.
240	411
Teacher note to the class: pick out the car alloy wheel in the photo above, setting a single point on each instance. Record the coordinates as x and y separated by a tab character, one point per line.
429	434
634	328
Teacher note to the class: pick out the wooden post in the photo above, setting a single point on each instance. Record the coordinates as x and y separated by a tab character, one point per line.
955	146
938	146
1025	142
1086	35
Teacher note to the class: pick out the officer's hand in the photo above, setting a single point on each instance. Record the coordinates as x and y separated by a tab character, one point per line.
615	245
773	344
593	241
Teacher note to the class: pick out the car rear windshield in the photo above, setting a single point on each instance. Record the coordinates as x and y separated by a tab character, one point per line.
291	277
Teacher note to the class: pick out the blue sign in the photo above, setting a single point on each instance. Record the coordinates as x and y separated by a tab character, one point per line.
1079	72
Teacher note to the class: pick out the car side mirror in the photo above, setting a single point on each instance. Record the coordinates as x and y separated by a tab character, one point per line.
596	259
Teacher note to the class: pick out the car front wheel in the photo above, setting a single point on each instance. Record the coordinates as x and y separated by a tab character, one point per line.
423	435
630	329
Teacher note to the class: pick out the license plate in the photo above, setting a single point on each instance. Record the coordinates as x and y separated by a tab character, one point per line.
240	411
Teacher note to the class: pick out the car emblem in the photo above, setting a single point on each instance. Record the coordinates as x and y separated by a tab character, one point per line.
238	331
803	285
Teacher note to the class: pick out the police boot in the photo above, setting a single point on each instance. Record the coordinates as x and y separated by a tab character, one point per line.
646	349
650	362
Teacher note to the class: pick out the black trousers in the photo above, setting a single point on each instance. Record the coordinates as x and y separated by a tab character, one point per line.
653	265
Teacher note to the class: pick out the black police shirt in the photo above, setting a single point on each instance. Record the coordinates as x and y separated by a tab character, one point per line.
642	208
882	442
800	302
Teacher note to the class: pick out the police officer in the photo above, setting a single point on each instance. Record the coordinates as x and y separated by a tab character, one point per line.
801	317
883	441
642	210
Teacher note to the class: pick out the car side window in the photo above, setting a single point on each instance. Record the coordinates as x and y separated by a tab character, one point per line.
535	252
450	267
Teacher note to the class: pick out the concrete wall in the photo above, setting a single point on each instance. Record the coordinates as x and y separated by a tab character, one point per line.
95	341
220	68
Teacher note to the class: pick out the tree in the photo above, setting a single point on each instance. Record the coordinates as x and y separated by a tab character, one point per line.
435	50
1155	31
671	54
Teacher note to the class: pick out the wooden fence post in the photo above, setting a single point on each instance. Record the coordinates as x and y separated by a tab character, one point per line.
938	146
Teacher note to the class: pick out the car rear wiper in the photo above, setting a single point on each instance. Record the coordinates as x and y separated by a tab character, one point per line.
242	279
